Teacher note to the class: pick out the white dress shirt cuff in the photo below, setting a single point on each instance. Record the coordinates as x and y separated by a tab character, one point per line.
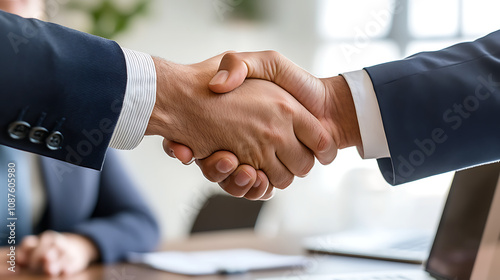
369	118
140	98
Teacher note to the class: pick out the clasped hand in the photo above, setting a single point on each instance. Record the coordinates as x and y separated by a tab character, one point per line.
272	120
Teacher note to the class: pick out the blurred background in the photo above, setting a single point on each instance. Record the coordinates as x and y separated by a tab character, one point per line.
325	37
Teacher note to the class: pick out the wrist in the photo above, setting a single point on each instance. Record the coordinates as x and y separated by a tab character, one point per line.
183	100
344	118
161	119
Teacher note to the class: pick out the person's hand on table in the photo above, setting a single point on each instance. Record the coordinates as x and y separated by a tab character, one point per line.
328	99
56	254
264	126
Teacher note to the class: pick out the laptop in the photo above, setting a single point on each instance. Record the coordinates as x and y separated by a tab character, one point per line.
465	245
405	245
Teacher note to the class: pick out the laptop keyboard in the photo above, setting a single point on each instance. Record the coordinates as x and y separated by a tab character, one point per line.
414	245
380	275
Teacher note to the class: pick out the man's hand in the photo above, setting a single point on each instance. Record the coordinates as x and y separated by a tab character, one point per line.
328	99
261	124
56	254
222	167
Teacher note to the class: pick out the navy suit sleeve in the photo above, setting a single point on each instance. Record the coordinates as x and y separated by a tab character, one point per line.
440	110
75	79
122	221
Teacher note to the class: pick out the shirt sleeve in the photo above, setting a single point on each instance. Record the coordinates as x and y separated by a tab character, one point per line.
369	118
140	98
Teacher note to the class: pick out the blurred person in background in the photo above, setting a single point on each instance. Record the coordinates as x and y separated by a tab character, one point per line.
68	216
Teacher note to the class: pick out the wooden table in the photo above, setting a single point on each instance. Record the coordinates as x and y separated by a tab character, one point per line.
321	264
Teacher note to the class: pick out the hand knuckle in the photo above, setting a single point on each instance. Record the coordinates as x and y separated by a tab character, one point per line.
308	164
228	52
285	182
230	56
211	175
231	189
286	108
272	54
323	142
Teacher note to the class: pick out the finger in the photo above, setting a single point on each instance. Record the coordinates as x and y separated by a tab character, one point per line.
52	262
67	264
297	158
231	74
26	248
240	181
311	133
218	166
179	151
269	193
266	65
278	174
259	188
47	240
211	63
70	266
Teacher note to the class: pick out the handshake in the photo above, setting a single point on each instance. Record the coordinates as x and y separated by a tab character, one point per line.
253	124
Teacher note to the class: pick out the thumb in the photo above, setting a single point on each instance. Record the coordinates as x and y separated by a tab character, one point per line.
231	74
234	68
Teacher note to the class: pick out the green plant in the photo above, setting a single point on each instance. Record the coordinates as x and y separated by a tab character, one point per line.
109	18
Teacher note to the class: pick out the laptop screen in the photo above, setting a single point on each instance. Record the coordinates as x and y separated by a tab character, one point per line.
459	234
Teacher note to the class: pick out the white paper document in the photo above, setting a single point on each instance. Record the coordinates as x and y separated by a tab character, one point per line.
216	262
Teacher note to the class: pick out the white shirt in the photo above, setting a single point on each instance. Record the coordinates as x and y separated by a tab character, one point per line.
140	97
370	122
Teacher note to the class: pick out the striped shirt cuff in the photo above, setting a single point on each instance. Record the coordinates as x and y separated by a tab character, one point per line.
140	98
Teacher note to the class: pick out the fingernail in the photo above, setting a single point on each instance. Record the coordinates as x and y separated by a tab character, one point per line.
270	195
224	166
242	179
172	153
189	162
257	182
219	78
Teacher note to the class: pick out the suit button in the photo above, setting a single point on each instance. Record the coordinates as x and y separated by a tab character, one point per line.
54	140
38	134
19	129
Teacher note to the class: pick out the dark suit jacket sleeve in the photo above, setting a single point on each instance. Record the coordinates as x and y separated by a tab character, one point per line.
63	73
122	222
440	110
